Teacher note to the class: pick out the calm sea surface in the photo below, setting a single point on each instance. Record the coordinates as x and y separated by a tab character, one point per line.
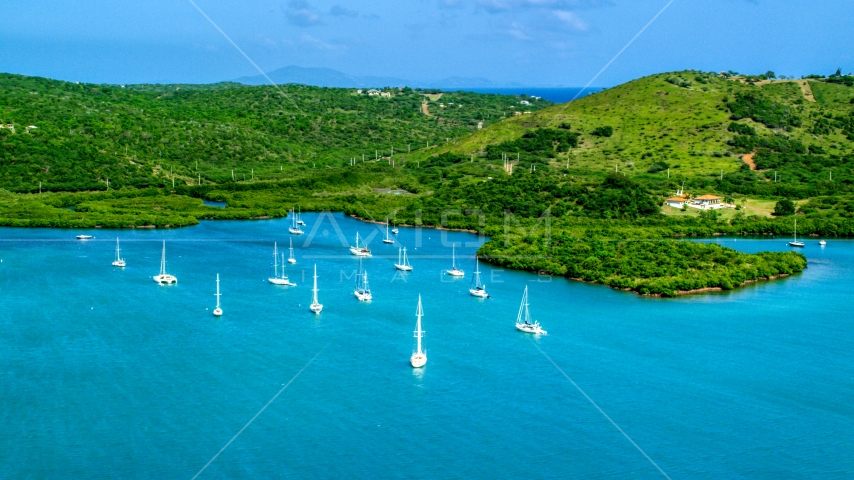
105	373
557	95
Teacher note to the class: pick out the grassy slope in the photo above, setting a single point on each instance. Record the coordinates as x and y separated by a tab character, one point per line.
655	120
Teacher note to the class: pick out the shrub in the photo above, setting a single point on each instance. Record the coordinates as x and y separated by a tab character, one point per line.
604	131
784	207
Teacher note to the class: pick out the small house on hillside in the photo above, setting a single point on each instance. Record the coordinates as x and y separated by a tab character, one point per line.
707	202
373	91
385	94
676	201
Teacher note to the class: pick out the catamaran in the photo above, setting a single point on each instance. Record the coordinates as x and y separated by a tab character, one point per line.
523	319
454	271
218	310
119	261
294	229
282	278
402	261
362	291
299	218
164	278
419	357
315	306
478	289
795	242
360	251
387	239
291	258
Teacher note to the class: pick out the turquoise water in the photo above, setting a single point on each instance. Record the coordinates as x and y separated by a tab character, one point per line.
104	373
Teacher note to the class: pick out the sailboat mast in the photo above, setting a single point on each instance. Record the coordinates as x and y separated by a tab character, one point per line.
418	333
453	257
283	265
163	259
314	290
217	291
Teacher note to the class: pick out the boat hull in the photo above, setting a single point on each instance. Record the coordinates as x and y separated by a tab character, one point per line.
388	241
360	252
534	329
455	273
165	279
281	281
362	296
316	307
405	268
292	260
217	312
418	360
479	293
295	231
797	244
119	263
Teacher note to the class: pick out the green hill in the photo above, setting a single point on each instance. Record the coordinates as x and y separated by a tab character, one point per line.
683	122
135	135
583	198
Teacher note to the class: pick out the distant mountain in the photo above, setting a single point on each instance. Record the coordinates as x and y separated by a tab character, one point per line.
327	77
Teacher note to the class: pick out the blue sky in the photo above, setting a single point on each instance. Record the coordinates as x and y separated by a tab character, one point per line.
529	42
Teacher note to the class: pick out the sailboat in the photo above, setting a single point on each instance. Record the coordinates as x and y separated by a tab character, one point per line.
218	310
362	291
299	218
402	261
454	271
360	251
164	278
119	261
395	231
478	289
315	306
386	239
419	357
294	228
795	242
523	319
291	258
282	278
84	237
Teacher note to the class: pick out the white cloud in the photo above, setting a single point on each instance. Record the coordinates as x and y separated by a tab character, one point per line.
570	19
301	14
320	44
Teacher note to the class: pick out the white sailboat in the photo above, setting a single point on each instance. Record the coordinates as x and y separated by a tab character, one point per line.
478	289
395	231
419	357
387	239
795	242
316	306
299	218
402	261
523	319
362	291
119	261
360	251
218	310
291	258
822	243
84	237
164	278
279	278
294	228
454	271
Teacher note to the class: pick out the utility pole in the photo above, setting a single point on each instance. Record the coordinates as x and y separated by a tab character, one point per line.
668	172
232	174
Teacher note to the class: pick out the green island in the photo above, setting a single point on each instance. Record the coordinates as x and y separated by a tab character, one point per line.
603	189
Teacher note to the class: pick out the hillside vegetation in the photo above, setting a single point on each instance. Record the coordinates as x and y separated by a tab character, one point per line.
573	190
142	135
